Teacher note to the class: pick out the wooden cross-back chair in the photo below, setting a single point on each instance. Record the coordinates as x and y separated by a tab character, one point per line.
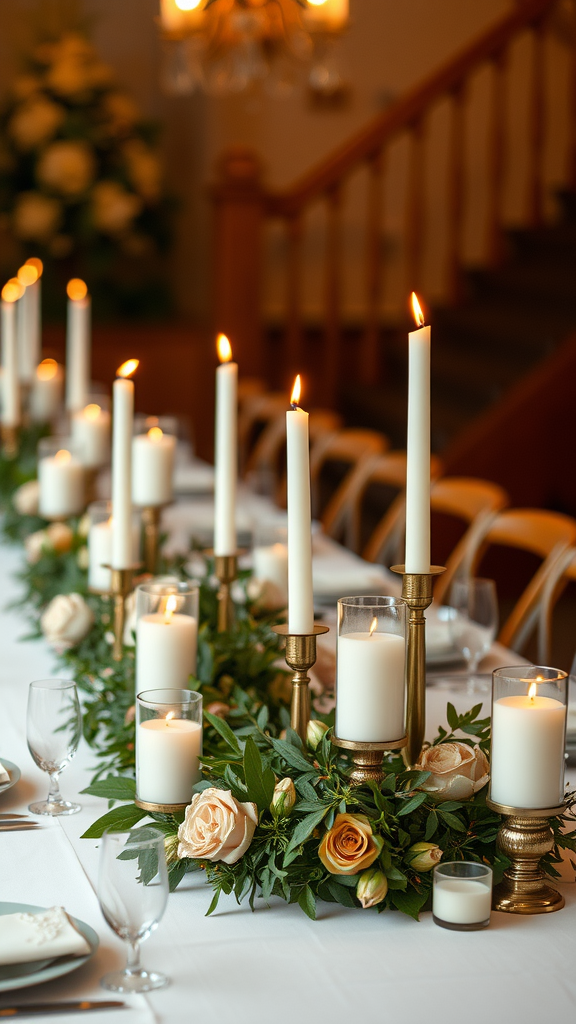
562	573
352	446
256	410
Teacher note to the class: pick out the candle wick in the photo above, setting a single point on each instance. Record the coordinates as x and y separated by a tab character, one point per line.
294	406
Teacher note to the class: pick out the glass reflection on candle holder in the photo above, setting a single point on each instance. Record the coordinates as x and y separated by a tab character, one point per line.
270	556
529	706
462	895
370	669
166	634
60	478
100	544
153	457
168	747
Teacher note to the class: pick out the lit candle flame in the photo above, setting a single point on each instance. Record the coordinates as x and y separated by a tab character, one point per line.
417	310
12	290
76	289
532	689
92	411
63	455
373	625
169	717
224	348
47	369
36	263
188	5
155	434
296	392
28	274
127	368
171	605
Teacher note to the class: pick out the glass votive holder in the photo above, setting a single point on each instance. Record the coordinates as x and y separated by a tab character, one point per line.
100	544
529	710
166	634
168	747
61	478
370	669
462	895
91	431
46	397
153	456
270	555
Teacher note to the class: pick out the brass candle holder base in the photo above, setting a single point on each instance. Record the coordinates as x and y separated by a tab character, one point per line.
151	522
524	837
9	441
300	655
226	571
120	587
367	758
147	805
417	593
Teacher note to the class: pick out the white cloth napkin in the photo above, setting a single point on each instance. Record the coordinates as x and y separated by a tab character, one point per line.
4	777
41	936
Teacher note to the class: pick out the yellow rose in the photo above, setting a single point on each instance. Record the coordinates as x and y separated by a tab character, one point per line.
35	122
217	827
113	208
458	771
349	846
36	217
67	167
372	888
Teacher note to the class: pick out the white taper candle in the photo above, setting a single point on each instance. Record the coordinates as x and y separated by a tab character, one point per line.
77	345
417	558
226	451
11	292
122	423
300	595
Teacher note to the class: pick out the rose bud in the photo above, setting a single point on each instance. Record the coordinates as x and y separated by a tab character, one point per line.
372	887
283	798
315	732
423	856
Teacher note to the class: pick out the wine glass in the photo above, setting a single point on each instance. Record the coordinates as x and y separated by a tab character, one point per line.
53	730
133	891
474	620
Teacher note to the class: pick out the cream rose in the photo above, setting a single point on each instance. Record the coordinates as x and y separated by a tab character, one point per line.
349	846
35	122
113	208
36	217
217	827
457	770
67	167
25	498
66	621
35	545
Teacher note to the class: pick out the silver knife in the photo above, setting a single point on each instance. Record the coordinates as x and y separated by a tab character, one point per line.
31	1009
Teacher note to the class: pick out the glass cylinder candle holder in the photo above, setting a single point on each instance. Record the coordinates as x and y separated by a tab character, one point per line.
166	634
462	895
370	669
168	747
61	478
100	544
90	429
270	555
153	456
47	392
529	708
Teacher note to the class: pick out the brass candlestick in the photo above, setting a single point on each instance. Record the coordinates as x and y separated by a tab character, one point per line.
524	837
226	571
300	655
368	758
120	587
417	593
151	522
9	441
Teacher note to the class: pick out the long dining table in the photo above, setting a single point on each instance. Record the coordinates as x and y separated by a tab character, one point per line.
236	966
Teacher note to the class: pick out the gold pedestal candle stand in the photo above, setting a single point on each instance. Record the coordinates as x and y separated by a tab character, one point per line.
368	758
524	837
9	441
417	593
121	586
147	805
151	522
226	571
300	655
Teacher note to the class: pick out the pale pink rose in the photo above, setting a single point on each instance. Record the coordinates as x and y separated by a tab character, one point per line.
35	545
66	621
217	827
25	498
218	708
67	167
35	122
458	771
59	537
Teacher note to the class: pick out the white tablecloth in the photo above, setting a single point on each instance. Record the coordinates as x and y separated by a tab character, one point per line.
237	967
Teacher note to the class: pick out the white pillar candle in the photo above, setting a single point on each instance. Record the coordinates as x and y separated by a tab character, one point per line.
165	648
461	900
226	451
123	410
370	687
167	752
417	558
46	392
100	553
61	485
77	345
91	432
153	468
11	292
527	759
270	562
300	596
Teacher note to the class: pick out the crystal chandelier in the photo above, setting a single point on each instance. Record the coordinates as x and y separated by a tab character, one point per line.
229	46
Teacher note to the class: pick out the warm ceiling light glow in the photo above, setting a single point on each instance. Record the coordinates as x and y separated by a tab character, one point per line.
223	348
532	689
28	274
127	368
76	289
155	434
12	290
92	411
373	625
36	263
63	455
417	310
296	392
188	5
171	606
47	369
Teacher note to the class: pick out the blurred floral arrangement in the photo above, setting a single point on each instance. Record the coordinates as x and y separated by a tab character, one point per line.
81	182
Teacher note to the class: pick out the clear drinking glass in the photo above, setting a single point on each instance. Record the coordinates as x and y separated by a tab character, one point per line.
53	730
132	892
474	620
462	895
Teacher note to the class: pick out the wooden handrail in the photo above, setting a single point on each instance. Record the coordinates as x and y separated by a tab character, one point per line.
407	111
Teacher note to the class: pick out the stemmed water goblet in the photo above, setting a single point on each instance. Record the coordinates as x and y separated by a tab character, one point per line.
53	730
133	891
473	621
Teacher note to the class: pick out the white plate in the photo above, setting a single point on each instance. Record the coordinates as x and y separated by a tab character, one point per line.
14	773
34	973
